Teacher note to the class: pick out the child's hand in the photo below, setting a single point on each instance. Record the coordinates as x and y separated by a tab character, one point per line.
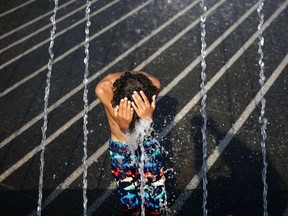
124	113
142	106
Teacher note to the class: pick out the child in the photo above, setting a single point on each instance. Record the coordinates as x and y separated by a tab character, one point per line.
129	97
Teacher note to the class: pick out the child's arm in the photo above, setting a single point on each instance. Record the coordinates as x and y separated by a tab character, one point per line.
104	93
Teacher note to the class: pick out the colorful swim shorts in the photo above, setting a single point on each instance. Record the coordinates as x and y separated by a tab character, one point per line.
125	169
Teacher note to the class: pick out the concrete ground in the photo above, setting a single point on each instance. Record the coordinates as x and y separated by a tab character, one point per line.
161	37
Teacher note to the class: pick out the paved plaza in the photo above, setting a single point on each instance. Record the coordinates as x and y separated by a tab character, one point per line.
162	37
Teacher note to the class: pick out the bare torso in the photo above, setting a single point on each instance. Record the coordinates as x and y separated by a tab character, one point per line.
104	91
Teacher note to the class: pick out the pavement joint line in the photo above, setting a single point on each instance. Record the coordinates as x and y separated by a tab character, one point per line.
182	75
93	77
28	156
68	181
68	52
34	20
7	63
97	203
226	140
16	8
27	78
49	25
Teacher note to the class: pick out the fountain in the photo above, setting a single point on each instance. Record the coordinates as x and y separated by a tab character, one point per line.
46	98
136	139
202	108
140	134
262	120
86	107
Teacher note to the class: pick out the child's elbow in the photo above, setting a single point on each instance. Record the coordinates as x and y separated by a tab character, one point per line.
99	91
103	90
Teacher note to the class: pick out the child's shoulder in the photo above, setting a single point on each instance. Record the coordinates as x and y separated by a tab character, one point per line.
107	82
104	89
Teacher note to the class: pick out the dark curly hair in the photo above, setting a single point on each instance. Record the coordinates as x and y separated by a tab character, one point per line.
127	84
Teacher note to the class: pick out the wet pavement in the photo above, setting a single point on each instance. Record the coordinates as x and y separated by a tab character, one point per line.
162	38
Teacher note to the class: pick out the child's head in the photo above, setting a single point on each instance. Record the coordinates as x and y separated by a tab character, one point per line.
127	84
